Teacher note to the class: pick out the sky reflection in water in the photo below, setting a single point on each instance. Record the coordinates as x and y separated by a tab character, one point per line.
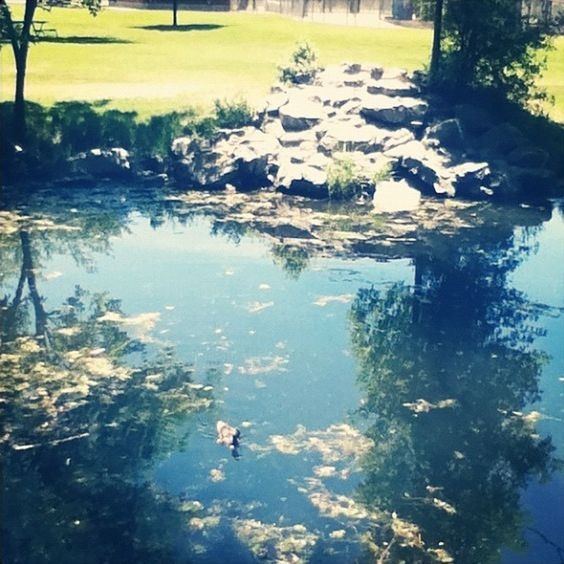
385	405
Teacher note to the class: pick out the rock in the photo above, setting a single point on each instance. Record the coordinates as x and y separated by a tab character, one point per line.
344	136
528	157
240	157
297	138
392	87
394	72
395	196
352	107
391	139
153	180
343	75
302	180
155	164
339	96
474	120
501	140
394	111
273	127
183	146
446	135
426	165
376	73
532	181
351	68
299	115
105	163
471	179
274	102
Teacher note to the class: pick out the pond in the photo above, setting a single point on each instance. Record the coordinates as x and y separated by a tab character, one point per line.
397	381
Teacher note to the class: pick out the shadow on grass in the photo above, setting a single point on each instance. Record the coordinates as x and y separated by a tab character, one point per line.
82	39
187	27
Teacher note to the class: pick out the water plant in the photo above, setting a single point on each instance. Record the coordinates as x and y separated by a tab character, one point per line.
344	180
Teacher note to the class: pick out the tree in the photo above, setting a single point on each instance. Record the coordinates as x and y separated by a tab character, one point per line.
486	45
174	13
437	33
20	35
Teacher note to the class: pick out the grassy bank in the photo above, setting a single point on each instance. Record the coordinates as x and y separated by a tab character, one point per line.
133	58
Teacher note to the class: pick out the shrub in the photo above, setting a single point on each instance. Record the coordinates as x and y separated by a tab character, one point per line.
382	174
344	181
232	114
302	68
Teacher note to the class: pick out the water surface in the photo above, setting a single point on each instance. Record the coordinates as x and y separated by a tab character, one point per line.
398	383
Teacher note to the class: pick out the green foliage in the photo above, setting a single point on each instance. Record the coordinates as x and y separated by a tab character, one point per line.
153	136
424	9
382	174
343	179
302	68
231	114
487	46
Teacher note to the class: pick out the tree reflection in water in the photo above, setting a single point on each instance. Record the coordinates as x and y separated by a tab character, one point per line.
447	367
88	406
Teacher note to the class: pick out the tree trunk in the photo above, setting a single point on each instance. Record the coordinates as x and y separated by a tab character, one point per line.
19	100
437	33
174	13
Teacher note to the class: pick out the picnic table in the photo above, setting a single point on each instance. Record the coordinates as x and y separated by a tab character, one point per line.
39	29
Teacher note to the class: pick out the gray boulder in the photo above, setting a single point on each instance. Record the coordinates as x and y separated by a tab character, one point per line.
298	115
394	111
528	157
105	163
240	157
471	179
302	180
395	196
348	136
501	140
474	120
446	135
392	87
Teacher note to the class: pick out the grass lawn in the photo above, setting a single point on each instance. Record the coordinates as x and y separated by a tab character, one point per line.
134	60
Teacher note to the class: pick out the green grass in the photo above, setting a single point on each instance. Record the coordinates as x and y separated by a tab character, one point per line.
153	71
158	71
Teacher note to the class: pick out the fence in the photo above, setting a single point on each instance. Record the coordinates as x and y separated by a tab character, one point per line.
534	11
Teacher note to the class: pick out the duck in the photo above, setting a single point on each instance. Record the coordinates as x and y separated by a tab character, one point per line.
227	435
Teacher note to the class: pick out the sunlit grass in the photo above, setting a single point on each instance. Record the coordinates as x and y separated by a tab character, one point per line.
117	57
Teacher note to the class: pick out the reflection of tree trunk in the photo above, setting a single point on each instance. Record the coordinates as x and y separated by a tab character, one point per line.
418	291
40	314
8	313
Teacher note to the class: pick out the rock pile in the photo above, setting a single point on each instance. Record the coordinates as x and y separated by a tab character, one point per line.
377	117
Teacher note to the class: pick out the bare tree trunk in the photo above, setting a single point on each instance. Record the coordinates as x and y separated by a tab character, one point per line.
174	13
19	39
19	100
437	34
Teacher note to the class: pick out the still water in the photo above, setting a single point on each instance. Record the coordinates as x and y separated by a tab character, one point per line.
399	399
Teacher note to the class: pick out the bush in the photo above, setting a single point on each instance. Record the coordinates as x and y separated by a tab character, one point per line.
302	68
232	114
344	181
382	174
